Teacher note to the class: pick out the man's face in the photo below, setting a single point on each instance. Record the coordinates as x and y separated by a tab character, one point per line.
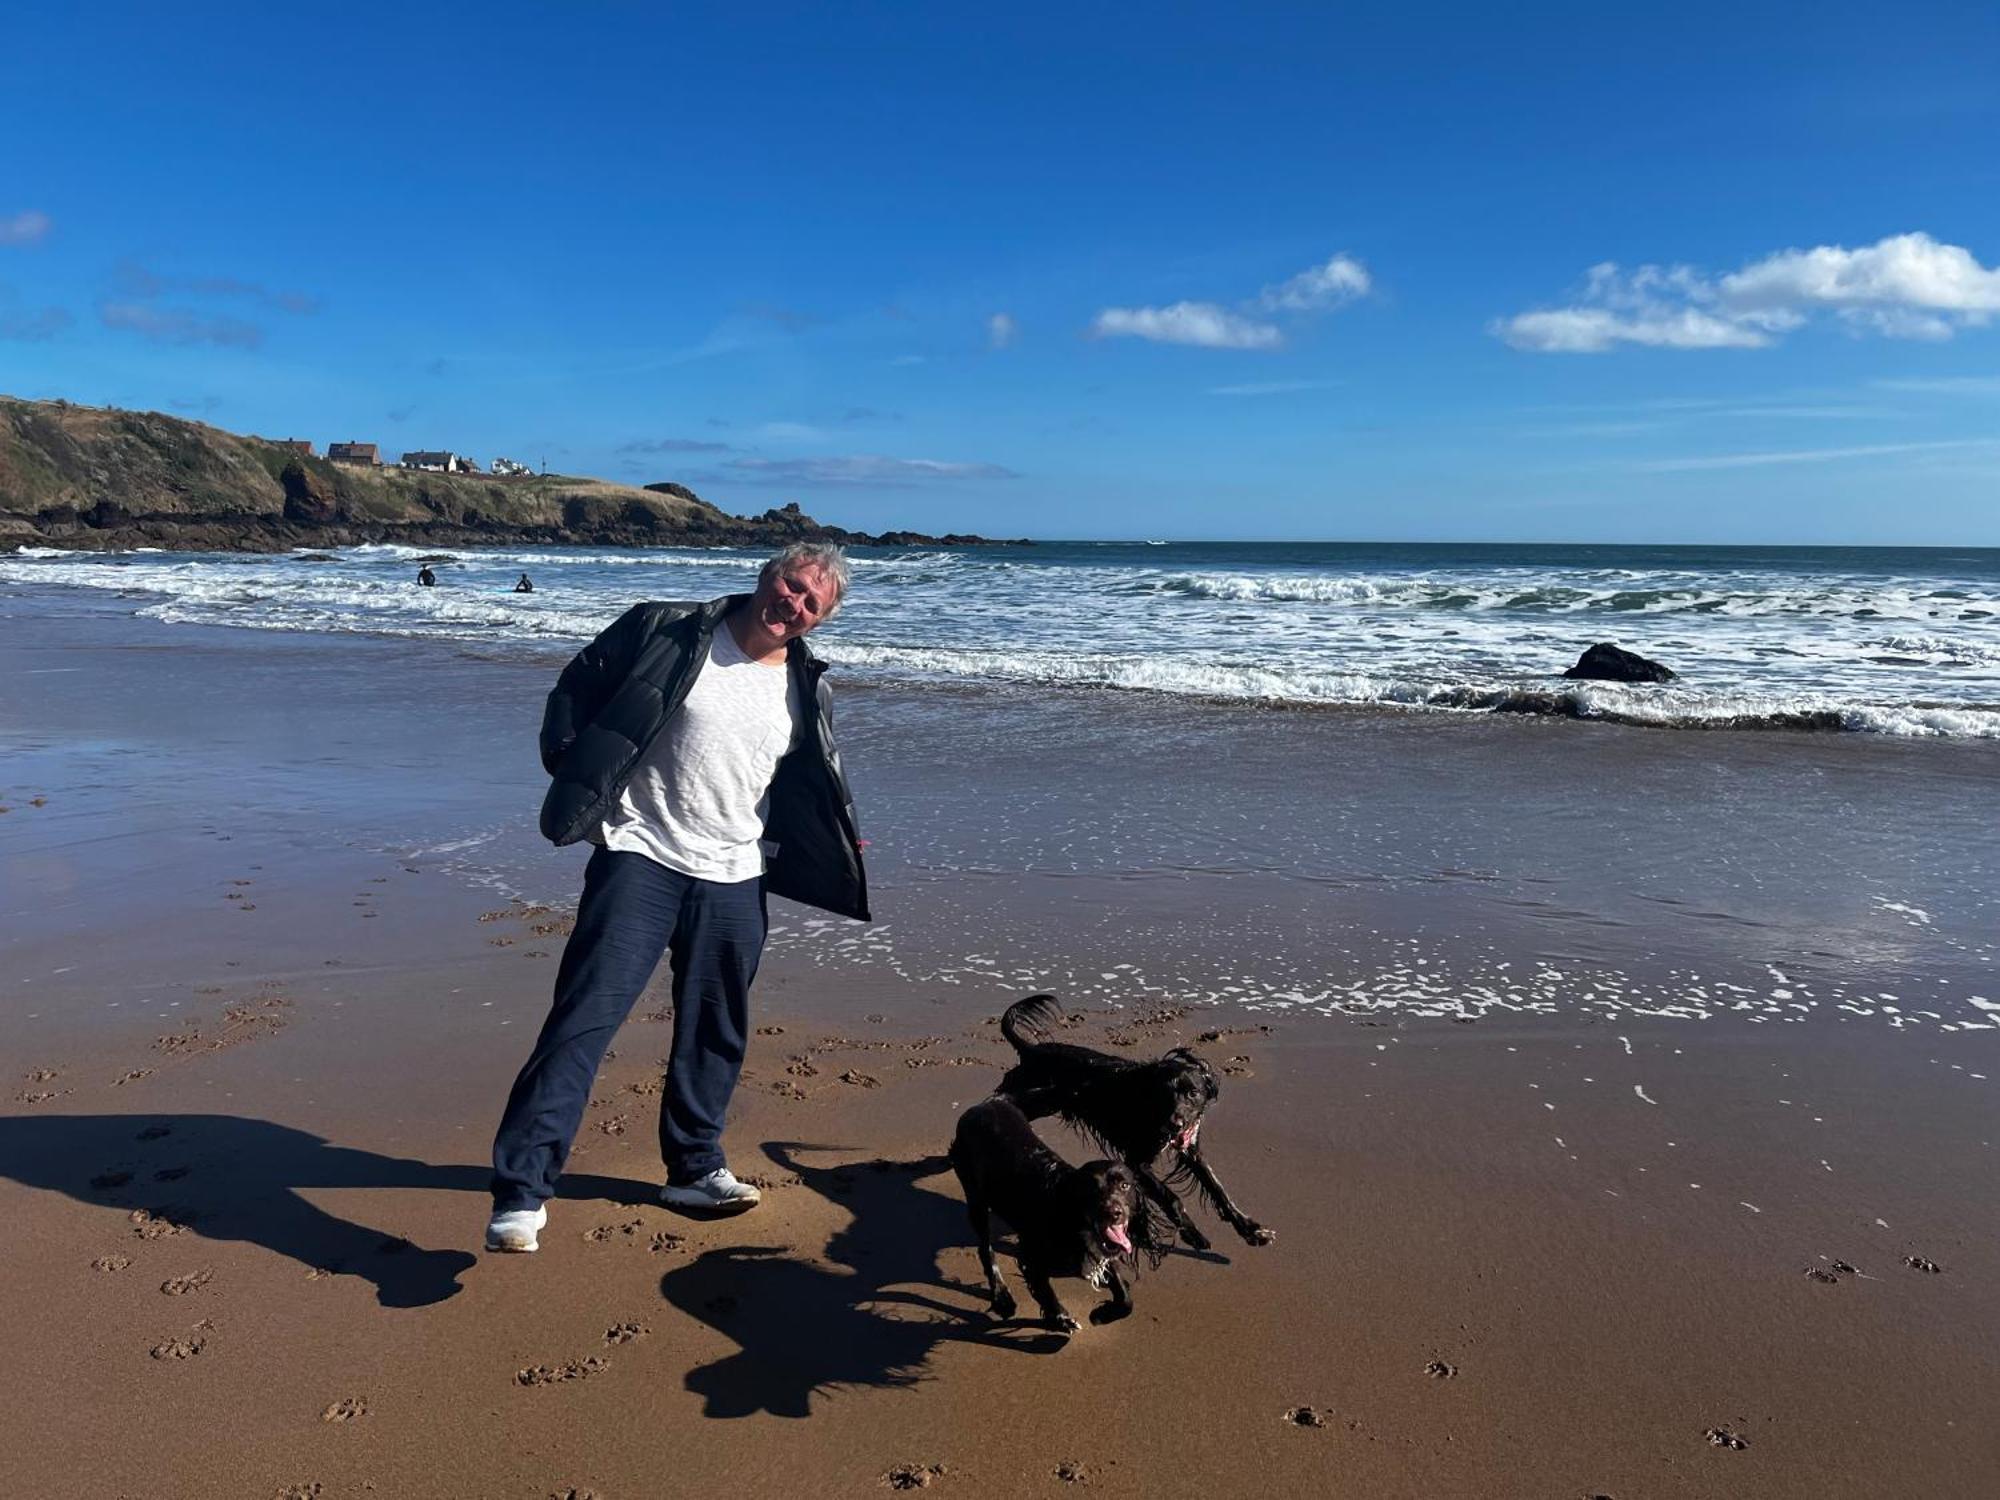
791	601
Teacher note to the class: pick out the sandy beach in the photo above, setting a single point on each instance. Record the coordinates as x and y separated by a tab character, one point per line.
1560	1212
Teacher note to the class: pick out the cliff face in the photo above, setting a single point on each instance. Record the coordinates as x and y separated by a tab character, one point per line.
87	477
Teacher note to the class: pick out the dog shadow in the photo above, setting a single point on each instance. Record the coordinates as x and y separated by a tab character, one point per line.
870	1314
225	1177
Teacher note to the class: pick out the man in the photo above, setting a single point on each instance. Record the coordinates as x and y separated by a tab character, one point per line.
693	744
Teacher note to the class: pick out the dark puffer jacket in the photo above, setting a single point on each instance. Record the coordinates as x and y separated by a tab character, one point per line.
621	690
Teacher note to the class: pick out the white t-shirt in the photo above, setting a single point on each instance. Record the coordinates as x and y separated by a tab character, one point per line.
696	801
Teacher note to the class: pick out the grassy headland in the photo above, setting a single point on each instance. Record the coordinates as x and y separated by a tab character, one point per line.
104	479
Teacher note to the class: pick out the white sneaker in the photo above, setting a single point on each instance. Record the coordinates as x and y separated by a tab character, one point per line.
719	1192
516	1229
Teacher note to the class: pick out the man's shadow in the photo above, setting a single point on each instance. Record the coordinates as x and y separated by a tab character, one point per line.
872	1318
224	1177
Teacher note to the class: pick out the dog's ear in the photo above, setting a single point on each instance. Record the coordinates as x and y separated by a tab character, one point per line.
1193	1062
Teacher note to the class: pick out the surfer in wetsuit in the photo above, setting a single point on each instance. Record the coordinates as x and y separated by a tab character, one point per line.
426	578
524	586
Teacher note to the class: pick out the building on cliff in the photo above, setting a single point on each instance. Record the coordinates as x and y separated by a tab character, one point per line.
439	462
297	445
355	453
507	468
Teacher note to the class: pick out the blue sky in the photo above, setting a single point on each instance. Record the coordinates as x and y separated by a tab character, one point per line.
1162	271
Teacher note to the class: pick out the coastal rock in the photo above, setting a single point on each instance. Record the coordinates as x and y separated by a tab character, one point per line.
309	500
1605	662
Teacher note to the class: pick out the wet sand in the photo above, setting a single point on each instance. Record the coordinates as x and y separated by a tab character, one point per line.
255	1062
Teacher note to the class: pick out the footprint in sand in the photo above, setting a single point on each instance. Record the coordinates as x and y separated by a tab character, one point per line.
860	1080
1722	1437
346	1409
187	1348
171	1174
1921	1263
1438	1369
626	1332
605	1232
571	1492
914	1476
40	1075
309	1489
104	1181
148	1224
111	1263
574	1369
1306	1416
1072	1473
132	1077
666	1242
770	1031
194	1281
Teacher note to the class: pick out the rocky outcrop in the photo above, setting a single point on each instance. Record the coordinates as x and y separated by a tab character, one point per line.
102	479
1605	662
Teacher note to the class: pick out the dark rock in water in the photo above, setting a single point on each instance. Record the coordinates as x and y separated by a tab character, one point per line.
1605	662
315	557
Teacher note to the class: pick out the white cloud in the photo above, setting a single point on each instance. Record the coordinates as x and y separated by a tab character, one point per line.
1210	325
1002	330
1202	324
1320	288
1592	330
24	228
1906	286
1903	274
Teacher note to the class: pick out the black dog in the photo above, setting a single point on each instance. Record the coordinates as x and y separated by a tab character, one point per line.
1068	1221
1138	1111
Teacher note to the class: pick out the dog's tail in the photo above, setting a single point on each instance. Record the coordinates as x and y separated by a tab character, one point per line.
1026	1022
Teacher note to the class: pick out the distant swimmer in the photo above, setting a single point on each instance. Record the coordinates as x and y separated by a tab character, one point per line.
524	586
426	577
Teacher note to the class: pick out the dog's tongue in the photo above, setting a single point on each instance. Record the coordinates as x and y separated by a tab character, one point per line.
1188	1135
1116	1234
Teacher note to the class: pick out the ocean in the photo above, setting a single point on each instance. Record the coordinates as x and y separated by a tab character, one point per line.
1890	641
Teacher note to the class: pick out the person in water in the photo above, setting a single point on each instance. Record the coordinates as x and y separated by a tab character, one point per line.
524	586
426	577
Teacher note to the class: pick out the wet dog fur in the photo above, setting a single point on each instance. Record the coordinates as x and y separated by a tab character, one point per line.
1067	1221
1139	1112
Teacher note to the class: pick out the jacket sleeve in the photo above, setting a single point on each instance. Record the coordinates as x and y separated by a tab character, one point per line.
588	682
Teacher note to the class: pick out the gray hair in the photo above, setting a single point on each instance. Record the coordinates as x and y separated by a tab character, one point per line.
825	556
